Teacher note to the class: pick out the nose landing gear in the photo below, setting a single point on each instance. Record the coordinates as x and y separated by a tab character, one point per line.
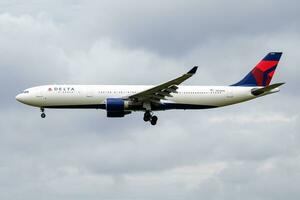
43	115
149	117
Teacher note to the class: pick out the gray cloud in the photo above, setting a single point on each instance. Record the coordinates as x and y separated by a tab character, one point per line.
247	151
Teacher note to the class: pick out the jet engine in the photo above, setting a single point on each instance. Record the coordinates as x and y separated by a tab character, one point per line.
116	107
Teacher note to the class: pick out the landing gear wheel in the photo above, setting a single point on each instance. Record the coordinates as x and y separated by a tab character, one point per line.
147	116
154	120
43	115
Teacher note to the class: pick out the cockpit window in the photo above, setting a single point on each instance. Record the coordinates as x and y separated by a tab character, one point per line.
25	91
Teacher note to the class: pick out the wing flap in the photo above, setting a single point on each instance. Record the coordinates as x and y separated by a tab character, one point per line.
164	93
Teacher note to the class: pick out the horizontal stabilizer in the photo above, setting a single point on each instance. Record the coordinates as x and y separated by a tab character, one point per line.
260	91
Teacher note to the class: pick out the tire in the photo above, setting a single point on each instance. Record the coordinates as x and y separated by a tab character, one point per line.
154	120
146	119
43	115
147	116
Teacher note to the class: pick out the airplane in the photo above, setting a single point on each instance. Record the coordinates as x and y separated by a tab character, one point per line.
121	100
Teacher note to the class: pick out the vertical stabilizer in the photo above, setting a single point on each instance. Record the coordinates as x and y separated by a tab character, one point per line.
262	73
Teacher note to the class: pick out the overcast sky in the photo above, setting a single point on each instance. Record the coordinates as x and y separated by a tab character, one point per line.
248	151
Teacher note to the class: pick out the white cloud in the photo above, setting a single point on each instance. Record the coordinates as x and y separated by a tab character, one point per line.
109	62
246	151
264	118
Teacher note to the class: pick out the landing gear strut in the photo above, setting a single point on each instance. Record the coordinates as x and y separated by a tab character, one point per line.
149	117
43	115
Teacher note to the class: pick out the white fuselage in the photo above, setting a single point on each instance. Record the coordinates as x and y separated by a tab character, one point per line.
94	96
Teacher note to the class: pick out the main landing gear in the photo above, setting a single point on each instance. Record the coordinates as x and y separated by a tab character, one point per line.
43	115
149	117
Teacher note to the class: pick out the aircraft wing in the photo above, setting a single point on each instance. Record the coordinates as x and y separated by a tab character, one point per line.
155	94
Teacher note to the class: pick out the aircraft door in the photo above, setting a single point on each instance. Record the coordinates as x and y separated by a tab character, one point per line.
89	93
40	94
229	93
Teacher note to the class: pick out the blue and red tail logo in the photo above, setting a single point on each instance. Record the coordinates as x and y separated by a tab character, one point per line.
263	72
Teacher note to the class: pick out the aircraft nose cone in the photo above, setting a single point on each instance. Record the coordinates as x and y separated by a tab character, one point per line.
19	97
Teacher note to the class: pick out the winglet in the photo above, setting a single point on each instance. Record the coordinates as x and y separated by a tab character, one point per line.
193	70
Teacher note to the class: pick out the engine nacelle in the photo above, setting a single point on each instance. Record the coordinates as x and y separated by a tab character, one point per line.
115	107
